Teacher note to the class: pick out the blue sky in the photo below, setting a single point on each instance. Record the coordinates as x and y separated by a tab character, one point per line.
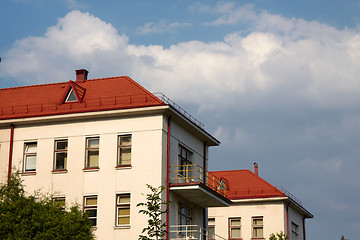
277	82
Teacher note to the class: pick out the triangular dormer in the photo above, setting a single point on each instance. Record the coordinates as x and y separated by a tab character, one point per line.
73	93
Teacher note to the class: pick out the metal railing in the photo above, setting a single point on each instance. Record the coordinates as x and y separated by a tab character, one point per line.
288	194
167	100
193	232
193	173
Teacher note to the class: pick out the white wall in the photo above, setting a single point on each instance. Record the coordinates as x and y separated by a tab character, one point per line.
272	212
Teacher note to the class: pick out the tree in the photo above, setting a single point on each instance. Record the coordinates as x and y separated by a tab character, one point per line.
343	238
154	209
37	216
278	236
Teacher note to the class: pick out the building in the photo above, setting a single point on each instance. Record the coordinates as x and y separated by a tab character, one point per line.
99	142
258	209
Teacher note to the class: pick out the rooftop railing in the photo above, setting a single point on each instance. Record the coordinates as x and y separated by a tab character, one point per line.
167	100
193	173
193	232
288	194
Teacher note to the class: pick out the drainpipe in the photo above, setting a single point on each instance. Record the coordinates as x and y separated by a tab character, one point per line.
304	235
204	181
287	219
11	150
168	177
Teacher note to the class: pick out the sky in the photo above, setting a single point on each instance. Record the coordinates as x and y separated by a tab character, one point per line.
277	82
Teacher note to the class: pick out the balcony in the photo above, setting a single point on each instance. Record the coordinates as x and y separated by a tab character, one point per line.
193	232
199	186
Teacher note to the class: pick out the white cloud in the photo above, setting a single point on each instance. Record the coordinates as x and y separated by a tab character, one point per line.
161	27
285	60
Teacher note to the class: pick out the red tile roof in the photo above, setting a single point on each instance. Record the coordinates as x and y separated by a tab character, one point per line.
244	184
95	95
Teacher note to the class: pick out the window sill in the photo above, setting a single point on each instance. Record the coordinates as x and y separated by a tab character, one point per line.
123	167
94	169
122	227
29	173
59	171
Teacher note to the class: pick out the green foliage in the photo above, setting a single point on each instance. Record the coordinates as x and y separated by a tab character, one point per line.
343	238
156	229
38	216
278	236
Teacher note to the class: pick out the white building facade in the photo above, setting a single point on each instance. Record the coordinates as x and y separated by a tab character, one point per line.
258	210
99	142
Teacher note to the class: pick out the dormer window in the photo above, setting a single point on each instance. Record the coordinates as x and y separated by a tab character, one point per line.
73	93
71	97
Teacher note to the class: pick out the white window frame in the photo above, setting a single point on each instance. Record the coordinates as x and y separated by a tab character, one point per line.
92	149
257	226
60	151
27	156
90	208
122	205
231	219
120	146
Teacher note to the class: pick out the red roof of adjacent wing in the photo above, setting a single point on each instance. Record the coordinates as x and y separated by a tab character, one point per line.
244	184
96	95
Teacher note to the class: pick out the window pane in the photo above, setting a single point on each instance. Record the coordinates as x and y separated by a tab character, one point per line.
91	212
61	145
124	198
93	143
71	96
258	232
60	162
123	220
123	211
125	140
93	221
211	233
235	233
93	158
30	147
91	201
258	221
30	163
125	156
235	222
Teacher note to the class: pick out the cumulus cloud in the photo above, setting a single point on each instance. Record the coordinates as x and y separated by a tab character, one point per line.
284	59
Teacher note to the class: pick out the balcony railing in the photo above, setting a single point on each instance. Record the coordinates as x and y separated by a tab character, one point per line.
288	194
193	173
193	232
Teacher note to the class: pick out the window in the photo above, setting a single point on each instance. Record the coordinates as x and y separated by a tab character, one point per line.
61	148
294	231
90	206
92	152
124	150
122	209
184	214
211	229
30	151
257	227
60	201
185	159
235	228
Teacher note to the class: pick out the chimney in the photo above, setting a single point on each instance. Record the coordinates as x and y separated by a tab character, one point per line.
81	75
256	169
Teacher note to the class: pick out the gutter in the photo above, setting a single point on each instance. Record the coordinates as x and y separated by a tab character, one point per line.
11	151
